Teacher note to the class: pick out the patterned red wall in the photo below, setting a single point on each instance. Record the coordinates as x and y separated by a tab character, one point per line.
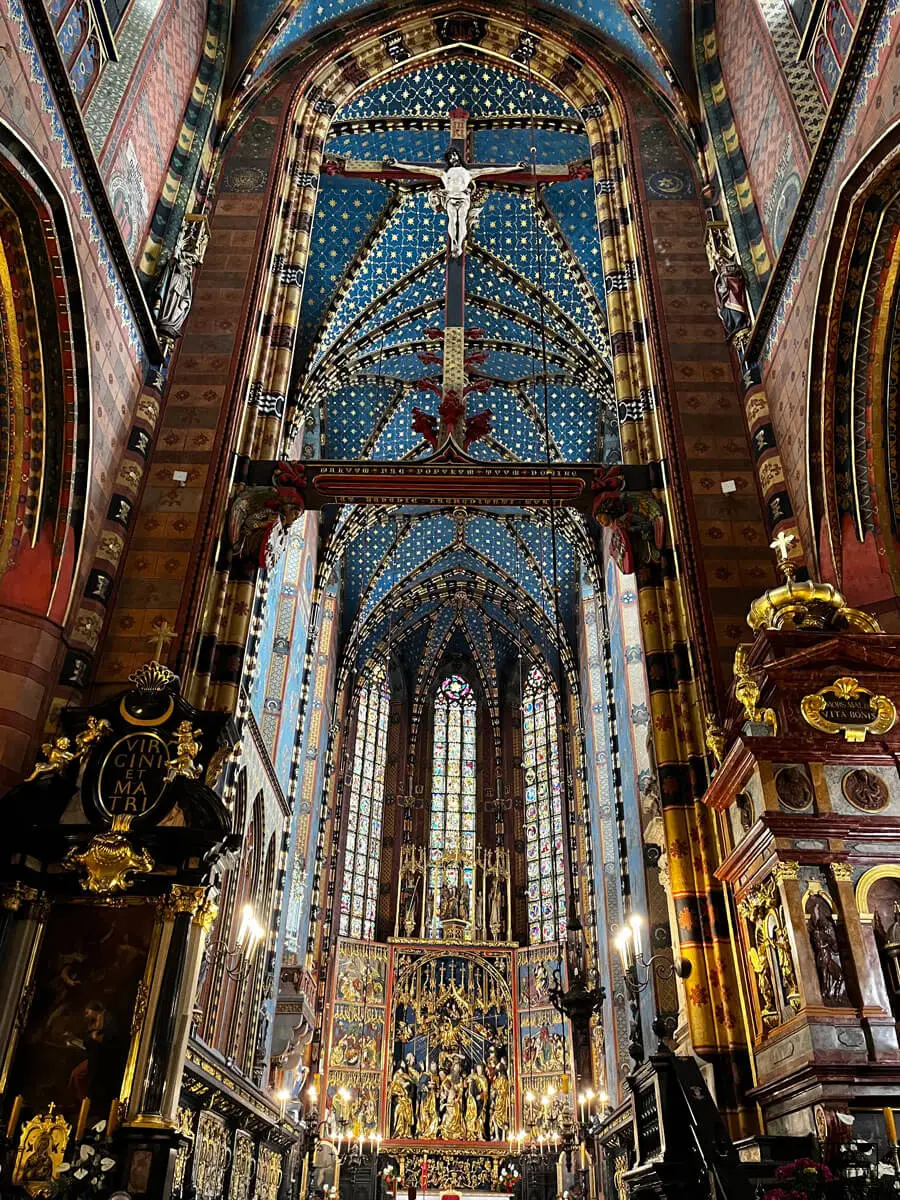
764	114
115	362
785	358
730	549
135	156
198	402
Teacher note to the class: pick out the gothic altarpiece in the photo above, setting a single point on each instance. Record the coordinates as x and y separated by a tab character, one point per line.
447	1050
441	1038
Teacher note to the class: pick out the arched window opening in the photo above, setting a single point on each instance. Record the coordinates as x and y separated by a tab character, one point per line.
543	812
452	836
359	896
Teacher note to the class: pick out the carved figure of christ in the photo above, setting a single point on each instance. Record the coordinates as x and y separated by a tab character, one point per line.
457	186
457	189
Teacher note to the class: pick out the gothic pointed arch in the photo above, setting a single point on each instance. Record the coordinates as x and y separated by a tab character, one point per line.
44	390
852	465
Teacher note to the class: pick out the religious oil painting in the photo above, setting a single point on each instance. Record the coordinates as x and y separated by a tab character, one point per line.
78	1031
360	975
538	971
352	1102
356	1042
544	1049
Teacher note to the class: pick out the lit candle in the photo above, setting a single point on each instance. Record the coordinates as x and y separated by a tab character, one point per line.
581	1099
14	1114
82	1121
890	1125
559	1177
635	923
623	945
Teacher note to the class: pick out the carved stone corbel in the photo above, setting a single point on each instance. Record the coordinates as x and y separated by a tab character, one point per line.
260	517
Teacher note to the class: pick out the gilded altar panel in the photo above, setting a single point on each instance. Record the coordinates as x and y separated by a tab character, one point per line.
356	1038
268	1173
453	1049
545	1047
241	1166
210	1156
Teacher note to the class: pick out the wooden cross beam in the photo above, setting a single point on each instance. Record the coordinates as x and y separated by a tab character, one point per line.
453	478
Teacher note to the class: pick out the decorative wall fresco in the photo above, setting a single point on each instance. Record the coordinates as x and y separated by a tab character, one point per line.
601	781
134	115
169	519
784	351
769	129
304	748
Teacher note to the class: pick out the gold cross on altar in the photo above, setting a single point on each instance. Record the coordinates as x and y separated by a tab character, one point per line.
160	640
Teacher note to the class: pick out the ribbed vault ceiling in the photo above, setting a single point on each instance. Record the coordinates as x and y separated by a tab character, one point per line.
423	583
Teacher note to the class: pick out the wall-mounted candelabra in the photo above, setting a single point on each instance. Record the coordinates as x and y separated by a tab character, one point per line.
638	972
236	960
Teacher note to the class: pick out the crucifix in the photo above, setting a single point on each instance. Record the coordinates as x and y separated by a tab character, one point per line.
456	196
159	640
782	545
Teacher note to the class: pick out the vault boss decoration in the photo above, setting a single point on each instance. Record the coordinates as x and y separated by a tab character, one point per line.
846	707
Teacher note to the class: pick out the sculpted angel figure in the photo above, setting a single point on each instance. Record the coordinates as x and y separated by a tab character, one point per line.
456	190
57	754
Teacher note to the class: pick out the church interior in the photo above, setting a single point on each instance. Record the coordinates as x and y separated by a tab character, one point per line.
450	599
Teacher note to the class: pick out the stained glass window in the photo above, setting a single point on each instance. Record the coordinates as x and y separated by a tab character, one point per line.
453	781
543	813
359	894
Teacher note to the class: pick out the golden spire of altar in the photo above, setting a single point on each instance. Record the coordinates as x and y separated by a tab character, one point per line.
804	604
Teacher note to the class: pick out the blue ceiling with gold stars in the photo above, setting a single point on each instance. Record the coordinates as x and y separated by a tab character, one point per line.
651	37
373	306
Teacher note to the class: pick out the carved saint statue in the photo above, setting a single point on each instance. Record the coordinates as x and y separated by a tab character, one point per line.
456	191
175	290
731	296
429	1119
823	938
453	1126
495	919
500	1105
403	1110
731	284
